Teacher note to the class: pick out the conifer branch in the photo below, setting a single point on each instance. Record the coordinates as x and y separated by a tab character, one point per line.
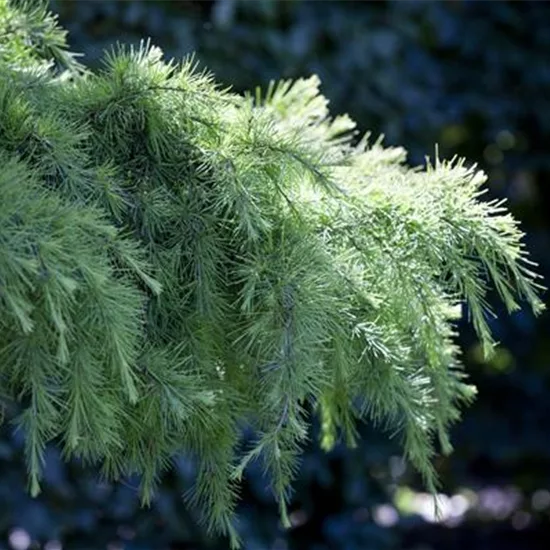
177	260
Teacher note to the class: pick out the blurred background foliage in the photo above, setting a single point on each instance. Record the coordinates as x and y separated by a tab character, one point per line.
473	77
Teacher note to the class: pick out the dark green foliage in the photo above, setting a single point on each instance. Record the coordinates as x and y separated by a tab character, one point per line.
178	260
400	68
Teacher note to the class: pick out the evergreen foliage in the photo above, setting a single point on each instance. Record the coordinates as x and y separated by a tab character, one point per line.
177	261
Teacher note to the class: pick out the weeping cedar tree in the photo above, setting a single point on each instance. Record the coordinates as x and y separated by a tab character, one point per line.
177	261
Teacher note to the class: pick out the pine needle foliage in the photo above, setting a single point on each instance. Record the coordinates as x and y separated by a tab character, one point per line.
177	261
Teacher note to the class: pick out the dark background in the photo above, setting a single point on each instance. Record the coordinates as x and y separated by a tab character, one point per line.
473	77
